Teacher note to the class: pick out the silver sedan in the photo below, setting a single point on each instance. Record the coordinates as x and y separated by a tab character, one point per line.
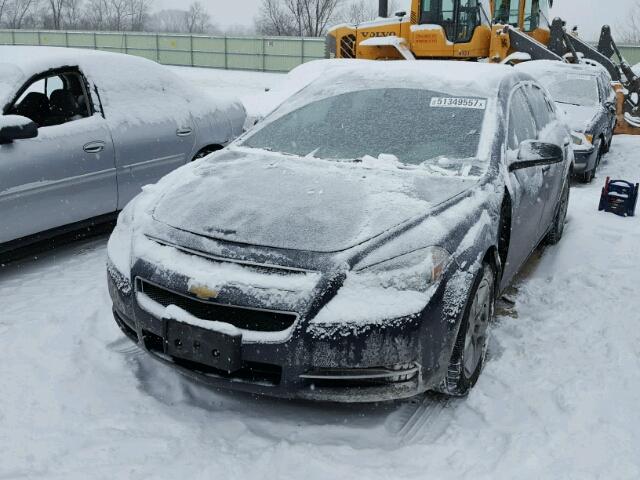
81	132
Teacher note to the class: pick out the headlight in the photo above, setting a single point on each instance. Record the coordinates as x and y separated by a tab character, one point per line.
119	246
581	139
577	139
413	271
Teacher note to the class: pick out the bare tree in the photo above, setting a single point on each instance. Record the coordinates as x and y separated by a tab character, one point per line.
197	18
296	17
55	11
72	14
3	8
18	12
364	10
139	14
275	19
629	31
170	20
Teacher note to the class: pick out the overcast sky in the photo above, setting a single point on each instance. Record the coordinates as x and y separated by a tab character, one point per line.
589	15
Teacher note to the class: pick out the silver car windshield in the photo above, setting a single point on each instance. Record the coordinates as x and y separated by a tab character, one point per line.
572	88
412	127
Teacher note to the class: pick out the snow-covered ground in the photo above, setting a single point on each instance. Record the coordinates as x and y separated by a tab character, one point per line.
559	398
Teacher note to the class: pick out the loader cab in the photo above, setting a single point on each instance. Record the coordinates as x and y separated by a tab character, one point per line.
458	18
527	15
507	12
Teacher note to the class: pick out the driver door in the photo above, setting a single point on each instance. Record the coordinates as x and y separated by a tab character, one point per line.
526	187
65	175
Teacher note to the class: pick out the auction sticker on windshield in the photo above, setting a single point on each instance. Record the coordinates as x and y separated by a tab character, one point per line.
459	102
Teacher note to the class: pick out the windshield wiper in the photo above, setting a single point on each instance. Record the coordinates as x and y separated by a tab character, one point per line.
569	103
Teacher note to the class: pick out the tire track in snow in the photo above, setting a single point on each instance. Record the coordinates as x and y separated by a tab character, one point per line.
421	420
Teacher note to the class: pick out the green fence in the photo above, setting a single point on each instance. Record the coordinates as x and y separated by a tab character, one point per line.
631	54
270	54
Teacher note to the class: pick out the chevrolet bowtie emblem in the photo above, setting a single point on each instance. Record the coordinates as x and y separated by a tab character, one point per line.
203	293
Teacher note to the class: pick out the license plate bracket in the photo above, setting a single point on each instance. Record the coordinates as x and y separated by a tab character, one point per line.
201	345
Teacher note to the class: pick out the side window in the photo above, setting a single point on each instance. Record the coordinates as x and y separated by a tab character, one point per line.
54	99
540	107
607	89
507	12
531	15
521	123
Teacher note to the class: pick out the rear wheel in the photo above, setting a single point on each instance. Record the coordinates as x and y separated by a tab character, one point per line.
470	348
206	151
557	228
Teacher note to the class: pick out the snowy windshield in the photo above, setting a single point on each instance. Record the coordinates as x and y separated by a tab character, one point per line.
410	126
574	89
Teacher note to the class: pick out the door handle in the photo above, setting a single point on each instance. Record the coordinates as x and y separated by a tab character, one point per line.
546	168
94	147
184	132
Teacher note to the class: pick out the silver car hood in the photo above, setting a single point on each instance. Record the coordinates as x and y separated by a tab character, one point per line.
265	199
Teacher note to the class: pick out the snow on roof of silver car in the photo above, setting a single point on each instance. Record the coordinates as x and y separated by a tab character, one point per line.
122	80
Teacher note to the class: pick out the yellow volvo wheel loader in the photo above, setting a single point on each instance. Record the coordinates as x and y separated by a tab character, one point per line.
498	31
448	29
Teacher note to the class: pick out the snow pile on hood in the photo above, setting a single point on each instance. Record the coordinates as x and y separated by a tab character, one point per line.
578	117
262	198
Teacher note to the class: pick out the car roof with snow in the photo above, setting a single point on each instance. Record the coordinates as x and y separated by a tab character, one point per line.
131	89
536	68
32	59
20	63
458	78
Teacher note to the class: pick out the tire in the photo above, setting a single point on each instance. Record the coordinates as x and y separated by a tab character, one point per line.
557	227
587	177
470	349
206	151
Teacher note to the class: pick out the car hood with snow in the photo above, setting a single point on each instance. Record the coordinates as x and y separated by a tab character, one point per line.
265	199
579	117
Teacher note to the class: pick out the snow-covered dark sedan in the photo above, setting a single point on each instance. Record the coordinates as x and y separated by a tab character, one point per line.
585	94
351	246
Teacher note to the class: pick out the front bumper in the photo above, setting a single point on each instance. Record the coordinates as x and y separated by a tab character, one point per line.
394	359
585	160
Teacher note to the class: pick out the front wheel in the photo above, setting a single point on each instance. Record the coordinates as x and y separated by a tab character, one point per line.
470	348
557	227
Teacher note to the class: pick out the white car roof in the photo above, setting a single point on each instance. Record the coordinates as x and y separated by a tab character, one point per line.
132	89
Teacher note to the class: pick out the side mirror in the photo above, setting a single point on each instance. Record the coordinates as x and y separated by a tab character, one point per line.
533	153
15	127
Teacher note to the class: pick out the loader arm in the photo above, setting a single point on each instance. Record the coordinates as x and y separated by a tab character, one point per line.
607	47
507	41
563	43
